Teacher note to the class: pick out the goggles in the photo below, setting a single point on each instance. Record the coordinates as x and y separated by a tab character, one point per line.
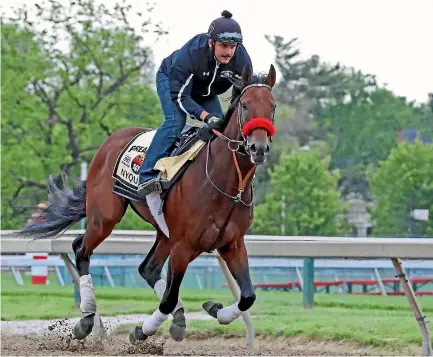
229	37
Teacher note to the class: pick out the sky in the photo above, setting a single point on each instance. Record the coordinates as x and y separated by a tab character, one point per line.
389	38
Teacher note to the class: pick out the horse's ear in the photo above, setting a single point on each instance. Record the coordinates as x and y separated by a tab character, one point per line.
271	77
246	75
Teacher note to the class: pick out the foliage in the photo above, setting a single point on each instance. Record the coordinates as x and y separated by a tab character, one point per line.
309	80
403	182
312	202
359	120
75	73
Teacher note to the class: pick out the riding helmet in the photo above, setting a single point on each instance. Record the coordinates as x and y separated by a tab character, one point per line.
225	29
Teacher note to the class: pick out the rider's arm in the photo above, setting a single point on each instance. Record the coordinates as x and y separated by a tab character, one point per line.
180	80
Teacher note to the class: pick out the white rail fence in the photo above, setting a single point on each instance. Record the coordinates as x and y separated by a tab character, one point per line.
371	267
140	242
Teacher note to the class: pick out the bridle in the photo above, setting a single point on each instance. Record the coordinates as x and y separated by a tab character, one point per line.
236	149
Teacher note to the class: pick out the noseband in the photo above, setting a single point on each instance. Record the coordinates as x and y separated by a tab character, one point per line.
256	122
241	144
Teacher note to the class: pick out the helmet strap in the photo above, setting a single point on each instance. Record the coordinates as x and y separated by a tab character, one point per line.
212	49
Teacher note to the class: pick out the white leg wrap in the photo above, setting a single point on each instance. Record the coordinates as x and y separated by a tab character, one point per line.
228	314
87	294
153	322
159	289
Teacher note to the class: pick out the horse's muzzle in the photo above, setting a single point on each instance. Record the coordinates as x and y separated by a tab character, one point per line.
258	152
258	146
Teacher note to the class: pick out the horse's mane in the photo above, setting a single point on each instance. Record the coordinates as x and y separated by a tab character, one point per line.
238	87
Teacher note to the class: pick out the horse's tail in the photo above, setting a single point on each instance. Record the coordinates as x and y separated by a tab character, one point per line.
66	207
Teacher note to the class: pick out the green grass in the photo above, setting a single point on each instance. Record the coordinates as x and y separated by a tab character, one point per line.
27	302
370	320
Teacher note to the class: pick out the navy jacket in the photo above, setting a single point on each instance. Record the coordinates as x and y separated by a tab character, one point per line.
195	76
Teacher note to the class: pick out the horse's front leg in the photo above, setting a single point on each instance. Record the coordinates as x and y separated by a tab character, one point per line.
180	257
236	258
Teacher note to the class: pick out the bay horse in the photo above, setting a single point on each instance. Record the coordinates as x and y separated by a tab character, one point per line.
209	207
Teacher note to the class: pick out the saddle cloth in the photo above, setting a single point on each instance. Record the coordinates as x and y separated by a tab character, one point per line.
133	155
128	164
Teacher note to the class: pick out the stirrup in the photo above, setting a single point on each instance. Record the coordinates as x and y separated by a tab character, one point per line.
157	184
162	183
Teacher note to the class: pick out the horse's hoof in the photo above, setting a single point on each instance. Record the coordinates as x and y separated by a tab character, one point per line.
83	328
177	332
137	335
178	325
212	307
98	330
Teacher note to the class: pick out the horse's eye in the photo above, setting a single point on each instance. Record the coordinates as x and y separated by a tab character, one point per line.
244	106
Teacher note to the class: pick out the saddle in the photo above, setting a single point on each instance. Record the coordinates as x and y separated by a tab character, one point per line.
128	163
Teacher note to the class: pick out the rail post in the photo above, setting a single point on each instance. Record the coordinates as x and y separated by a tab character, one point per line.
308	283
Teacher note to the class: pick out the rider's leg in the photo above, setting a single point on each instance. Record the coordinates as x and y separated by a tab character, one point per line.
163	140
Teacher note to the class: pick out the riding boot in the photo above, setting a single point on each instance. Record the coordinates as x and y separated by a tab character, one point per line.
150	180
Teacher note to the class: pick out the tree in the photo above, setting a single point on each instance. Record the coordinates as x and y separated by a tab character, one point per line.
310	79
403	182
76	72
360	121
362	131
309	190
22	59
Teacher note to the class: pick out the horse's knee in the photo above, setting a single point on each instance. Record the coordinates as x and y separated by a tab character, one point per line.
142	269
82	258
149	272
76	244
144	272
246	302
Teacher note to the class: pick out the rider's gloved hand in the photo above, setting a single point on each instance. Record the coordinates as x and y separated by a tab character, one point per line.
212	121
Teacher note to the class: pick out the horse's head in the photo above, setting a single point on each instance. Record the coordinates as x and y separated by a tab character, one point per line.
255	113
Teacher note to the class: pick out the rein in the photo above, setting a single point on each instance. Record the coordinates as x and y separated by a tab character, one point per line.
239	143
242	180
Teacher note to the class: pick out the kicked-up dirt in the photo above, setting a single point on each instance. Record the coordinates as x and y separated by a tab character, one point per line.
117	344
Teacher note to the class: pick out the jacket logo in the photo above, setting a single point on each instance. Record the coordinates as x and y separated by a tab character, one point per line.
226	74
206	73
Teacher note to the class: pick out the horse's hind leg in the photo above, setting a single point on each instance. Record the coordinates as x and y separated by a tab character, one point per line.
150	269
236	259
180	256
88	301
99	227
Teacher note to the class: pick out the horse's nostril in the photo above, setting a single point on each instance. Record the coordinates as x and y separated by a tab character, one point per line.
267	149
253	148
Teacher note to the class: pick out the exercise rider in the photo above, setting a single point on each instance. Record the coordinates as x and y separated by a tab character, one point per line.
188	83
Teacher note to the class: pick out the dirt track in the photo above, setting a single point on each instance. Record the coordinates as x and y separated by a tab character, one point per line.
118	344
54	338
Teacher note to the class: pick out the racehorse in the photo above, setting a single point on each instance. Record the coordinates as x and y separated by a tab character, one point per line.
209	207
